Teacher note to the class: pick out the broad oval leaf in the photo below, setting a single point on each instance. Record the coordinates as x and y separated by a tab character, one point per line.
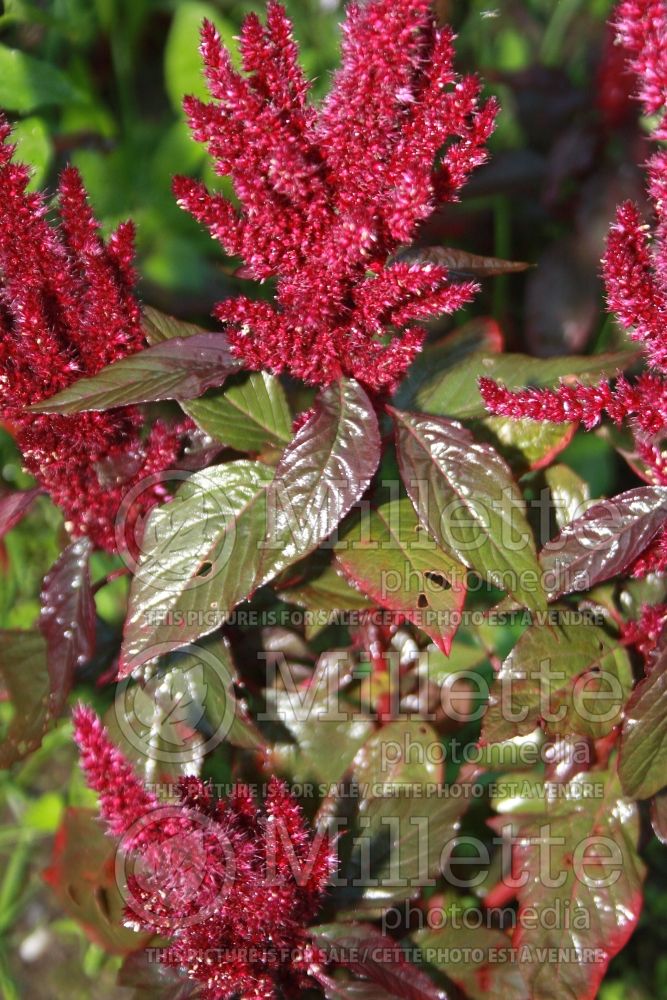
321	475
27	83
603	541
199	559
182	368
456	393
596	870
643	758
568	676
388	556
464	494
25	682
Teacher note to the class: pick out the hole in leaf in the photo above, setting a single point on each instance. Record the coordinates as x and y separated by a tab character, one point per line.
422	601
204	569
438	580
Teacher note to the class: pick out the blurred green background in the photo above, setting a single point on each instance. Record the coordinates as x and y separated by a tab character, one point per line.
99	83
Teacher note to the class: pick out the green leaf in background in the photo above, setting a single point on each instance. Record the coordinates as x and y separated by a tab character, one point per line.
643	758
531	443
82	876
27	83
389	558
464	494
478	335
183	72
181	368
248	414
395	768
200	558
26	681
456	393
34	147
571	677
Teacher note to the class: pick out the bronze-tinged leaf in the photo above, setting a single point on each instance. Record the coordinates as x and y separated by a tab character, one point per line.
67	619
479	961
233	527
378	958
38	667
183	368
14	506
466	497
588	837
462	264
643	758
389	557
248	413
603	541
322	473
25	682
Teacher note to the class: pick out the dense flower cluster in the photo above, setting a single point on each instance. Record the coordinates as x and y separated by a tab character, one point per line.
234	887
646	631
67	309
328	195
635	273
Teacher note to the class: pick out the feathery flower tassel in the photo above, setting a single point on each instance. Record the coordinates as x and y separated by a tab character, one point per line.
233	886
328	195
67	309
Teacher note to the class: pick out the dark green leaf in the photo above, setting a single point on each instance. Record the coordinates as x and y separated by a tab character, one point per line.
465	496
479	961
27	83
26	683
456	393
200	557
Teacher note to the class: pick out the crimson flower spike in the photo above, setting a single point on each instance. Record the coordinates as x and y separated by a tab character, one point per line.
328	195
67	309
635	274
233	886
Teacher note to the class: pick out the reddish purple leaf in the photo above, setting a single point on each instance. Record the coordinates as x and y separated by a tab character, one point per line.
67	619
366	952
603	541
13	506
